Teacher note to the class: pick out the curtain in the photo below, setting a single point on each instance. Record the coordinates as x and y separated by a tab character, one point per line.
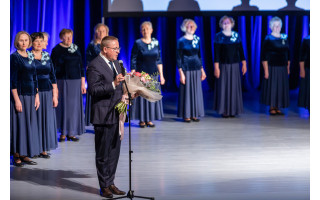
40	15
82	15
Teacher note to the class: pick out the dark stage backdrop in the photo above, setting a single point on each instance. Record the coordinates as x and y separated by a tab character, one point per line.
82	15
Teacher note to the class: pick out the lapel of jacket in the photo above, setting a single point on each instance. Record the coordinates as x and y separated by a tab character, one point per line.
116	64
105	67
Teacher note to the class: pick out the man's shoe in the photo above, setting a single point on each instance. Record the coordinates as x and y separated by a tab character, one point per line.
115	190
105	192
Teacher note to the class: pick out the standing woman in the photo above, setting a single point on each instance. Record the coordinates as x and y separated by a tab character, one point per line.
67	61
48	95
228	53
45	40
304	91
190	104
146	57
24	101
93	50
276	65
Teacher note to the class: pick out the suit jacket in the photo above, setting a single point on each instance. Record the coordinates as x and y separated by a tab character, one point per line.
104	96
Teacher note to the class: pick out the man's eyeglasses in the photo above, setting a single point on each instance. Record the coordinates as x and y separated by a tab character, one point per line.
115	49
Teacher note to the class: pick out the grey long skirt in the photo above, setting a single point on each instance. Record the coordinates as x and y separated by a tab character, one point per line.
227	91
88	110
190	103
70	115
304	91
147	111
275	89
24	137
47	125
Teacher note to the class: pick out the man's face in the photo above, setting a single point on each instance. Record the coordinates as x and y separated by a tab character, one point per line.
111	51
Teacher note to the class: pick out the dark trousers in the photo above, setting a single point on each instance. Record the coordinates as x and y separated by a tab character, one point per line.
107	146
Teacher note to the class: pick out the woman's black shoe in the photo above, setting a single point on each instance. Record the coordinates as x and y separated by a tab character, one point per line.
187	120
17	164
62	138
195	119
74	139
224	116
44	156
279	112
28	162
142	124
150	124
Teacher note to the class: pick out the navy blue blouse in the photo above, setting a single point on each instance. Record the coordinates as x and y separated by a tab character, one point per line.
305	52
45	72
275	50
23	76
92	51
228	49
67	62
146	57
188	54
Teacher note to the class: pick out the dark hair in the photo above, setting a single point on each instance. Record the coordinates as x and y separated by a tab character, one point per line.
65	31
36	35
106	40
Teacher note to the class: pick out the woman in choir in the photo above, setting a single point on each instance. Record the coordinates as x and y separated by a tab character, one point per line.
67	61
45	40
276	66
146	57
24	101
190	104
228	53
93	50
304	91
48	95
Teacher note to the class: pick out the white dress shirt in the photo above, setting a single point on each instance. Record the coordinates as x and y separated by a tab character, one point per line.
107	61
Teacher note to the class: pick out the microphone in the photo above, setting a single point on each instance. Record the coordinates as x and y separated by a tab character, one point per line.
123	70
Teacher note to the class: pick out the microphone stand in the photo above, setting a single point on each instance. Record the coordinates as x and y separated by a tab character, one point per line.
130	193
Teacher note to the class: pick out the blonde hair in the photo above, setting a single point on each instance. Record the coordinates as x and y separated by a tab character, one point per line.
146	23
97	27
224	18
185	23
16	39
46	34
273	20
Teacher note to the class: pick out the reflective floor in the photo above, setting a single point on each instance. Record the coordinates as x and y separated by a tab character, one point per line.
251	157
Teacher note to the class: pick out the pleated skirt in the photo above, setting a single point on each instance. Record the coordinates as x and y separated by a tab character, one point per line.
24	137
69	112
275	89
190	102
304	91
47	125
146	111
227	90
88	110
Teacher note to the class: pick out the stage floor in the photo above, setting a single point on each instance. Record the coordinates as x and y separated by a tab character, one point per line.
251	157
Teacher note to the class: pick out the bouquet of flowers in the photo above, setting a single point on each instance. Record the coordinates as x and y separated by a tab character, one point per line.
141	84
145	85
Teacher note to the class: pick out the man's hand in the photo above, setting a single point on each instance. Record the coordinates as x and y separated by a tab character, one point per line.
118	79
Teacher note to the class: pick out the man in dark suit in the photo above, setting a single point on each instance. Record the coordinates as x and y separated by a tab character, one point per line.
104	85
